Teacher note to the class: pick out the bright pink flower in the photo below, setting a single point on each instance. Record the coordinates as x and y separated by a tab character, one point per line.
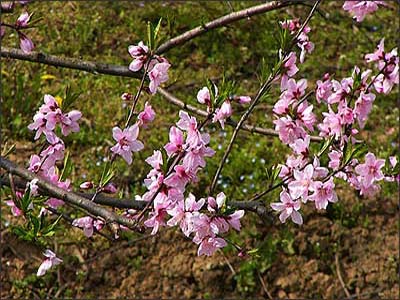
70	124
324	192
175	144
295	90
289	69
139	53
157	218
180	178
54	203
288	208
302	181
331	125
127	142
209	245
25	43
370	171
305	116
341	90
147	115
53	152
158	75
51	261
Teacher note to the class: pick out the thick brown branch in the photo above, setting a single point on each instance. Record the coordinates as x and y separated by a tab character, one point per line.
71	198
222	21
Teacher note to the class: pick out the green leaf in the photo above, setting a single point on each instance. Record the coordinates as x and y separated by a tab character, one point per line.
108	174
325	146
156	31
67	167
70	98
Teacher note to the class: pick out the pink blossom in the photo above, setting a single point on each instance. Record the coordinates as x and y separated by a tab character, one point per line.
324	192
288	130
302	181
23	20
214	204
25	43
14	209
362	107
147	115
203	96
54	203
289	69
87	185
183	213
288	208
295	90
222	113
175	144
244	99
209	245
341	90
324	89
157	218
127	96
305	115
139	53
180	178
155	160
51	261
88	225
69	123
359	9
110	188
370	171
127	142
234	219
158	75
301	146
334	159
378	55
39	124
331	125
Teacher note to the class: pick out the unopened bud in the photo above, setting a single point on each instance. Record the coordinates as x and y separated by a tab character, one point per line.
87	185
127	96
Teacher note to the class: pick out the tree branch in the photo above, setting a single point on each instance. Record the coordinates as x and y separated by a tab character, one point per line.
125	203
70	63
69	197
222	21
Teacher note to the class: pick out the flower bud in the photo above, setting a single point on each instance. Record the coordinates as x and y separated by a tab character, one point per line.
87	185
127	96
110	189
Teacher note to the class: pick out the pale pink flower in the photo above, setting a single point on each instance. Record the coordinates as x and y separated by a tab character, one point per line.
158	75
288	130
359	9
209	245
146	116
87	185
302	181
378	55
14	209
363	107
324	89
139	53
25	43
334	159
180	178
23	20
244	99
110	188
51	261
127	142
203	96
222	113
288	208
301	146
88	225
324	192
370	171
234	219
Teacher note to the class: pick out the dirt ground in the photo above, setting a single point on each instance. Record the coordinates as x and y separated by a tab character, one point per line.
167	266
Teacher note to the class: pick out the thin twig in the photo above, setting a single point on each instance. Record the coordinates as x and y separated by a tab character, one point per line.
264	88
346	291
264	286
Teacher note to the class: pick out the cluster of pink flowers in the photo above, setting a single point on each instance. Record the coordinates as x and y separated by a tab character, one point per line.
166	189
156	66
222	113
303	41
49	115
303	177
88	224
359	9
21	23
